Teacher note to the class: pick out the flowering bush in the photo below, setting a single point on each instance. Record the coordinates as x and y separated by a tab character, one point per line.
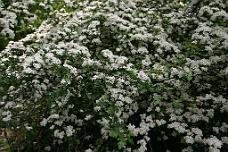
114	75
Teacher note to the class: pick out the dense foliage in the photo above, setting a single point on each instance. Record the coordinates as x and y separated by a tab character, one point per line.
114	75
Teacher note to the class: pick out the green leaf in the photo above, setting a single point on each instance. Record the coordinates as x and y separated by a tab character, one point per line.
114	133
129	139
168	88
3	41
99	142
77	141
122	143
188	76
176	103
151	87
1	89
132	75
102	103
142	88
157	97
111	110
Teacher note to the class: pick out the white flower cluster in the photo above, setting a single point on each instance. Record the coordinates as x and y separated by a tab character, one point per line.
106	74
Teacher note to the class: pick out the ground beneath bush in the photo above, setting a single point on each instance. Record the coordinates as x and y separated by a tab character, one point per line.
3	143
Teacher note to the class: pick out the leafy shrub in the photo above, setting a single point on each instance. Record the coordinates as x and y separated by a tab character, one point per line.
115	75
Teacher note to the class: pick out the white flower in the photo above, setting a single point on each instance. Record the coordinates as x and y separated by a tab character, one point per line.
59	134
143	76
189	139
157	109
9	104
29	71
28	128
188	149
107	53
165	137
214	142
37	65
197	131
119	103
69	130
142	50
103	122
142	147
146	61
132	129
144	128
213	149
54	116
7	118
90	62
49	55
179	127
160	122
88	117
59	123
47	148
88	150
216	129
97	108
121	60
44	122
225	140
